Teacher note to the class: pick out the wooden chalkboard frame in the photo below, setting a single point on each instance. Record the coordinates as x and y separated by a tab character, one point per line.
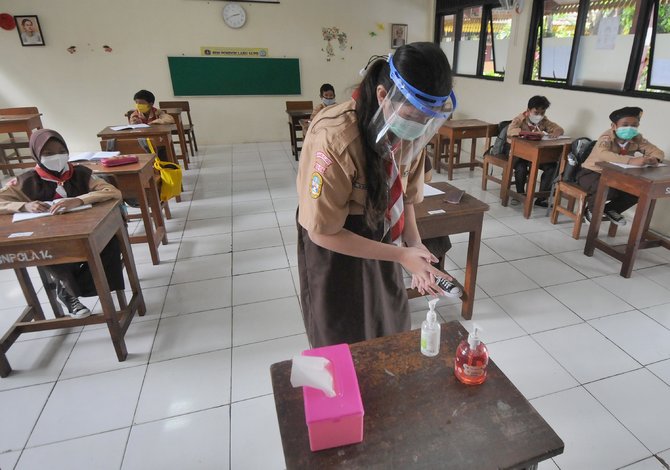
212	76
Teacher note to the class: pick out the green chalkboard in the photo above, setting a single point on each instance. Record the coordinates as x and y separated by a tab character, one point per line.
234	76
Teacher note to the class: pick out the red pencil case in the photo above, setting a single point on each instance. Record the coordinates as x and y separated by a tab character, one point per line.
120	160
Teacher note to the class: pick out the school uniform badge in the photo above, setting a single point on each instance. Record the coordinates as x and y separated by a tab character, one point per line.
315	185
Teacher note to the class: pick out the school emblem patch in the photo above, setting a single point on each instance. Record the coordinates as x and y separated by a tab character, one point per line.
316	185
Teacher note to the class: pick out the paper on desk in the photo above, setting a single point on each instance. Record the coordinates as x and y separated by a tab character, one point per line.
548	137
19	234
428	190
19	216
626	165
129	126
84	156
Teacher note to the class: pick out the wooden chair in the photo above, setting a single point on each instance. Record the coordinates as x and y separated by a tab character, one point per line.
10	148
188	128
499	161
130	146
180	135
575	197
295	130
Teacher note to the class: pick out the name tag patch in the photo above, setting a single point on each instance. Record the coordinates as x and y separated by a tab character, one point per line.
322	162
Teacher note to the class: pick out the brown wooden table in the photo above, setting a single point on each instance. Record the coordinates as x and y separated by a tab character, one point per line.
67	238
648	184
418	415
160	134
12	123
137	181
294	117
536	152
468	217
456	131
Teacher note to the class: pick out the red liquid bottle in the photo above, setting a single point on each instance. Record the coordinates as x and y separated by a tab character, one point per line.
472	358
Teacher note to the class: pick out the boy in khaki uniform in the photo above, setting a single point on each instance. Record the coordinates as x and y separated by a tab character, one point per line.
327	95
622	143
145	112
533	119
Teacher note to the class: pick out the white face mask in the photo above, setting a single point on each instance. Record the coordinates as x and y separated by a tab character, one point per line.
56	163
535	118
328	101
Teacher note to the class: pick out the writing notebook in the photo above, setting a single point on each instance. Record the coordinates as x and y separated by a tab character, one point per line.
86	156
19	216
129	126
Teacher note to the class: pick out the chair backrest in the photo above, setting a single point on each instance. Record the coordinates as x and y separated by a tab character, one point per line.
128	113
184	105
579	151
291	105
500	145
17	111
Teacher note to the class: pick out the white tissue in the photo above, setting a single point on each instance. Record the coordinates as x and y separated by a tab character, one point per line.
313	371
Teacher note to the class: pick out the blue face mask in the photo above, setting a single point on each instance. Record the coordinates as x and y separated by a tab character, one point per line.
406	129
627	132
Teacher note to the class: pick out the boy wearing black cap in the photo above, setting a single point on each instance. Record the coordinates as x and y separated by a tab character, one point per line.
145	113
622	143
533	119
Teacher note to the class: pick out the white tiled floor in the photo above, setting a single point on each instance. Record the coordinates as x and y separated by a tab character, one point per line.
590	349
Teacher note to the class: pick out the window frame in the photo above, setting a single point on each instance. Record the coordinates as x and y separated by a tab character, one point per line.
456	8
637	51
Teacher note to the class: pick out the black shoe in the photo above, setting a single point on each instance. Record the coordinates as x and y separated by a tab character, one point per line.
616	218
588	215
541	203
74	307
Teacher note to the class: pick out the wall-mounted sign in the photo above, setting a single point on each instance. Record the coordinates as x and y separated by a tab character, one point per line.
234	51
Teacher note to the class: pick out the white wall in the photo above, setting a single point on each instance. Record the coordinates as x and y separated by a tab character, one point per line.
80	94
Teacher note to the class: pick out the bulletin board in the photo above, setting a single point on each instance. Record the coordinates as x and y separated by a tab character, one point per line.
197	76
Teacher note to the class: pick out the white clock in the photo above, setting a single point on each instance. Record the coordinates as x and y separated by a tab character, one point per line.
234	15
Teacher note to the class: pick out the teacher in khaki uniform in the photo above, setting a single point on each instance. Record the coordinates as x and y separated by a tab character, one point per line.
361	172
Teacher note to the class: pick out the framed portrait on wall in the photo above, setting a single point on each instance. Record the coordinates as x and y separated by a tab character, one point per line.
398	35
30	33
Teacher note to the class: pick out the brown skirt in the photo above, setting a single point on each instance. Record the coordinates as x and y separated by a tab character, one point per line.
346	299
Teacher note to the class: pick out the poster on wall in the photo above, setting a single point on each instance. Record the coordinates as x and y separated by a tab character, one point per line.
30	33
608	32
234	51
398	35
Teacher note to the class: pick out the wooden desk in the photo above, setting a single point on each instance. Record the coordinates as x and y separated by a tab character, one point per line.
467	216
648	184
180	133
294	117
137	181
457	130
536	152
78	236
12	123
160	135
418	415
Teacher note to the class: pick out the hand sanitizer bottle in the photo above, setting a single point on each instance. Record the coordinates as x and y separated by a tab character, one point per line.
430	332
471	359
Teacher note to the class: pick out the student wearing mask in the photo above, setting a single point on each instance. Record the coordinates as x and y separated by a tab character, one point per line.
622	143
534	119
54	179
361	172
146	113
327	95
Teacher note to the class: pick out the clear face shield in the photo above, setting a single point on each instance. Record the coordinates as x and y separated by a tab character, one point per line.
407	119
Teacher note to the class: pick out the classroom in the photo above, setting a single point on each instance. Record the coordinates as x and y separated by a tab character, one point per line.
207	291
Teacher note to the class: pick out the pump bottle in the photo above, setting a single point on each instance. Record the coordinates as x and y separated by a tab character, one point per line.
472	358
430	332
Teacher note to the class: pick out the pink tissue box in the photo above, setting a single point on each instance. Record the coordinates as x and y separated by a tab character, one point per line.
337	421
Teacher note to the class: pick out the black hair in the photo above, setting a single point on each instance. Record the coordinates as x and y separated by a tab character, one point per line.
145	95
23	22
539	102
326	87
424	66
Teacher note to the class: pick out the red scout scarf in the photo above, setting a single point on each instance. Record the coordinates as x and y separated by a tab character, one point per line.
395	212
59	180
